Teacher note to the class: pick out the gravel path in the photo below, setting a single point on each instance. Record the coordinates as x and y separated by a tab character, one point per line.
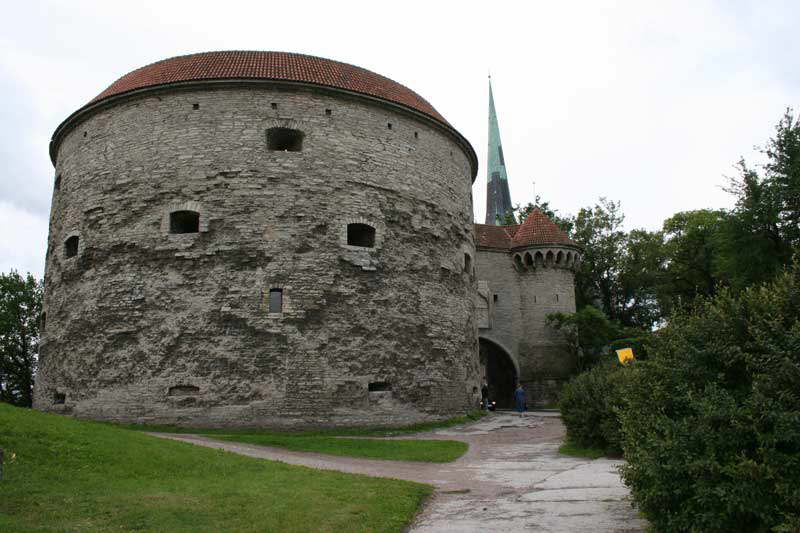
511	479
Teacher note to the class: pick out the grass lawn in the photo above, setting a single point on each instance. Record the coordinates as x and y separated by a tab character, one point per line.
73	475
373	431
576	451
434	451
331	441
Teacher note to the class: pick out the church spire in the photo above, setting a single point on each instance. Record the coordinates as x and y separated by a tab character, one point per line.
498	199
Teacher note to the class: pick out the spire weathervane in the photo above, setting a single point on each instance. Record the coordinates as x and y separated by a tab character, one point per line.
498	198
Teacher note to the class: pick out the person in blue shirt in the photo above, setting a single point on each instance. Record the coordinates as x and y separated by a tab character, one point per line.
519	397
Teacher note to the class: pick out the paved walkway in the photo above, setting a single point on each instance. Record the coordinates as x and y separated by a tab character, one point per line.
511	479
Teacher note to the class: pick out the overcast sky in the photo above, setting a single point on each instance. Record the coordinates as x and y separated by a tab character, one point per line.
647	103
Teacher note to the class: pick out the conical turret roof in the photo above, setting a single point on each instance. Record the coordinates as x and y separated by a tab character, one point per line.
538	229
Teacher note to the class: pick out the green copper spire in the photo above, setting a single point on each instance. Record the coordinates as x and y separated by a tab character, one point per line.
498	199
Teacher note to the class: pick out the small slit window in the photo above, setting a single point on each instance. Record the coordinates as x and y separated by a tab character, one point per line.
361	235
379	386
71	246
467	263
183	390
284	140
276	300
184	222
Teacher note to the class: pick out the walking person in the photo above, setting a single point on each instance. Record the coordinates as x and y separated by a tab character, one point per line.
519	398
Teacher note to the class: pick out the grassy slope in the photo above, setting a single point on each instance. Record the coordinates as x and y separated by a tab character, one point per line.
329	441
434	451
353	431
72	475
573	450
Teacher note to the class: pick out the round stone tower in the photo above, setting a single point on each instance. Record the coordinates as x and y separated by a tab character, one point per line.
259	238
546	260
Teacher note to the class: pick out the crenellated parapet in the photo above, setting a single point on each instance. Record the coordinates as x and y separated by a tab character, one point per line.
528	260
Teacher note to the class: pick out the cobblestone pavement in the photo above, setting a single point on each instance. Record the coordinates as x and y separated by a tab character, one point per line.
511	479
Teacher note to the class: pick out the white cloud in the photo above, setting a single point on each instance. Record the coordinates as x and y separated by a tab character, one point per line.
650	103
23	240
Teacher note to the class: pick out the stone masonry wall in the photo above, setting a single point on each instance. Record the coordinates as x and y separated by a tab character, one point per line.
147	326
546	361
496	267
525	298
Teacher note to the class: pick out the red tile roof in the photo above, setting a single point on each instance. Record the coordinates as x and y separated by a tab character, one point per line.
277	66
539	229
494	236
270	66
536	230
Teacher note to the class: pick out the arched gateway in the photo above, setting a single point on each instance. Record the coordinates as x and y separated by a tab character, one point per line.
500	371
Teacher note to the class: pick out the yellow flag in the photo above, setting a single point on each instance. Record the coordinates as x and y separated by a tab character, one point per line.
625	355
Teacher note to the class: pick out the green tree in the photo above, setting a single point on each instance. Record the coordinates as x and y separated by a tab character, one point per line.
641	274
588	331
692	252
763	231
599	230
20	317
782	175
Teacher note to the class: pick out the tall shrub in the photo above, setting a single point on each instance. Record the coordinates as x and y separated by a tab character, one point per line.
589	404
711	420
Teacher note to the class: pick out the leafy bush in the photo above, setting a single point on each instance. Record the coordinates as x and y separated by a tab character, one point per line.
588	407
711	420
590	333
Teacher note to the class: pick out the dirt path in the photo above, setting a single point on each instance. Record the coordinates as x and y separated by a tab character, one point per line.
511	479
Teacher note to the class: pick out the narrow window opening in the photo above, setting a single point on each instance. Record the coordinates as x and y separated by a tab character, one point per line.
328	112
494	297
59	398
44	321
58	183
556	297
71	246
534	299
361	235
379	386
273	105
416	135
195	106
276	300
85	133
528	260
184	222
284	140
389	125
183	390
467	263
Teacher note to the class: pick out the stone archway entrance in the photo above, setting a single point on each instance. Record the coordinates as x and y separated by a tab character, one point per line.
501	374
